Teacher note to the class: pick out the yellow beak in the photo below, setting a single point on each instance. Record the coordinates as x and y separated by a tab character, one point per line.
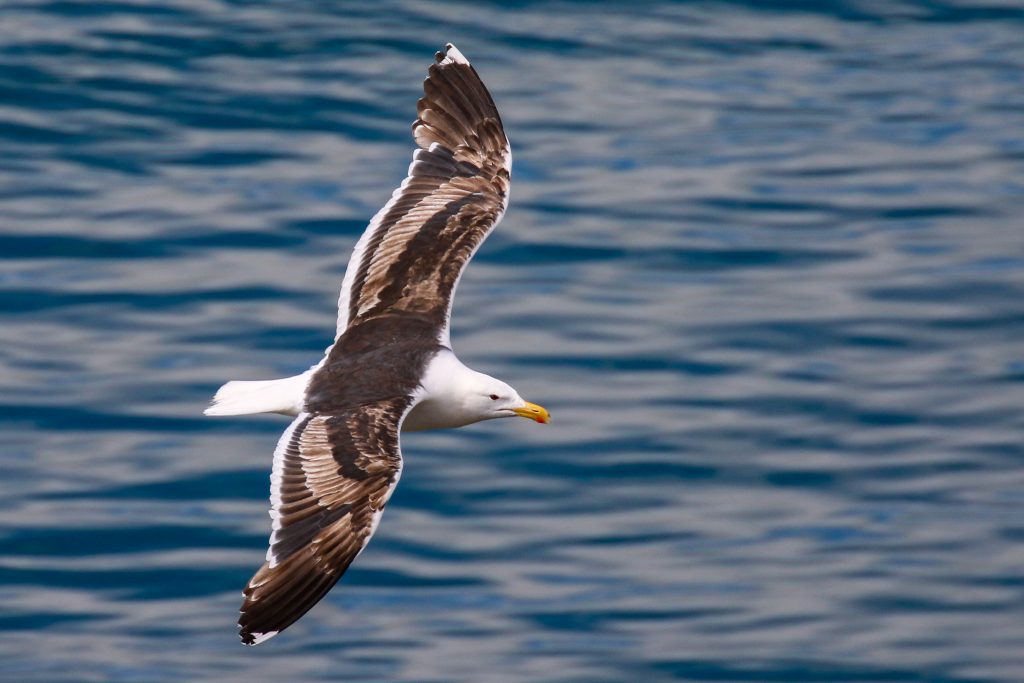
532	411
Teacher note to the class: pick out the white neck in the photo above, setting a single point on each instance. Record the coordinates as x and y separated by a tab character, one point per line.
441	400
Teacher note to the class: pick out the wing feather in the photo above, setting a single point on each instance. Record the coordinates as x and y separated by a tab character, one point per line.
455	193
333	474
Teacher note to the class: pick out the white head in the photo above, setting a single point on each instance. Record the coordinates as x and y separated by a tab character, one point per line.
452	395
488	398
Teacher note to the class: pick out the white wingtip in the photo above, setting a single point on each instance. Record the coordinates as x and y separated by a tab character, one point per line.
453	56
258	638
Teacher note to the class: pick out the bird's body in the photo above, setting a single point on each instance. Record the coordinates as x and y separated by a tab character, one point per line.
391	367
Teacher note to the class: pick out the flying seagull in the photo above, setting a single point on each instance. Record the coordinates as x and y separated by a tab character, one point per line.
391	366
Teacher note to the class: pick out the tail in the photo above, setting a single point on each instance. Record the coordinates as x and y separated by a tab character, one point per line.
285	396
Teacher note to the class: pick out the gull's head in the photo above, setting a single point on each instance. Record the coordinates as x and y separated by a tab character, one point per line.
491	398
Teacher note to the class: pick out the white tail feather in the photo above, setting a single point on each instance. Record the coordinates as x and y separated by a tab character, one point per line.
284	396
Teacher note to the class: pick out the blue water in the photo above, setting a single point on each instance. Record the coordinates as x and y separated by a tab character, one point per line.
764	262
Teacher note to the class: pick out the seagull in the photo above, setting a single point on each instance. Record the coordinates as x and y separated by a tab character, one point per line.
391	367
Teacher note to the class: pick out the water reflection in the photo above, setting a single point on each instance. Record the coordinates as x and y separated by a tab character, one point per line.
765	267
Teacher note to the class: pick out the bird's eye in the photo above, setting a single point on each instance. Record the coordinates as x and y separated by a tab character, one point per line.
494	397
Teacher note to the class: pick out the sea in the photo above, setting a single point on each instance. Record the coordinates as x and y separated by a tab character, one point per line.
763	262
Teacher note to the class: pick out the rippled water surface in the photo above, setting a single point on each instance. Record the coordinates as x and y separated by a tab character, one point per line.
764	262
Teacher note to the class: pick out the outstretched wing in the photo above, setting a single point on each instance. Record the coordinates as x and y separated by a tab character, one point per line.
412	254
333	474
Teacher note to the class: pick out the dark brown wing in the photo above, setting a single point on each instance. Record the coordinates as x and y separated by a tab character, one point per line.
333	474
412	254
